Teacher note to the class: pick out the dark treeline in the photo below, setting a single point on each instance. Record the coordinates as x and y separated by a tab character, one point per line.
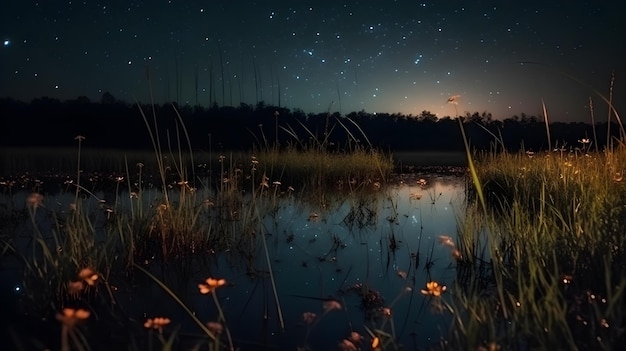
111	123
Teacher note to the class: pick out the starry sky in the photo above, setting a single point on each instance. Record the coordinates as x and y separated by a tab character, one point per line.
324	55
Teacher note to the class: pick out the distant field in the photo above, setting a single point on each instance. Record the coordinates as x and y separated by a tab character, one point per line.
40	159
429	158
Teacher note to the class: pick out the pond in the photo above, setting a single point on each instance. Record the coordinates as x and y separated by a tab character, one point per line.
371	254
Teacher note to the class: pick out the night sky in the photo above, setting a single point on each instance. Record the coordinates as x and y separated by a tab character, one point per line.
377	56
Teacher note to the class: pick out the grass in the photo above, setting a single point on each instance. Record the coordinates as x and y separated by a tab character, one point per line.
542	262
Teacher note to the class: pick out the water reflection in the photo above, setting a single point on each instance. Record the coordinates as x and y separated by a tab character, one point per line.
368	254
371	254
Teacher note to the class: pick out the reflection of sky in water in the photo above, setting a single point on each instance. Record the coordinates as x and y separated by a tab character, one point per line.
317	258
321	258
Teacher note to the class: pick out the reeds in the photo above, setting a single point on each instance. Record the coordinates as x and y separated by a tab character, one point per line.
542	265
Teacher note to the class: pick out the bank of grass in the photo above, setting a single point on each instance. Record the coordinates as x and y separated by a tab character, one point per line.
543	264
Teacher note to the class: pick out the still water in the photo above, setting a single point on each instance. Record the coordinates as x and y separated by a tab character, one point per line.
371	254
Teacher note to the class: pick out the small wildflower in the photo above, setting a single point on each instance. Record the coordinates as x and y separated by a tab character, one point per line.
140	165
88	276
433	289
157	323
375	342
446	241
567	279
119	179
331	305
211	284
70	316
386	311
80	138
456	254
346	345
215	327
356	337
34	200
308	317
74	287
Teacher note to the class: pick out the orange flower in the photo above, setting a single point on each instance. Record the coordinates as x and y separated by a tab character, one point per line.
74	287
211	284
88	275
433	289
157	323
70	316
375	342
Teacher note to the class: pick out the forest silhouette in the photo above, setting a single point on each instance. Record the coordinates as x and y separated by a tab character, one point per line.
116	124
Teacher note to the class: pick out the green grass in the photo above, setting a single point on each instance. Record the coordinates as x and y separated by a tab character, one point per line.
543	263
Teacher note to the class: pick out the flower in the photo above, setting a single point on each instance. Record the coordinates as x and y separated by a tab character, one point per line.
331	305
386	311
211	284
433	289
346	345
215	327
446	241
157	323
375	342
88	275
34	200
74	287
79	138
356	337
70	316
308	317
